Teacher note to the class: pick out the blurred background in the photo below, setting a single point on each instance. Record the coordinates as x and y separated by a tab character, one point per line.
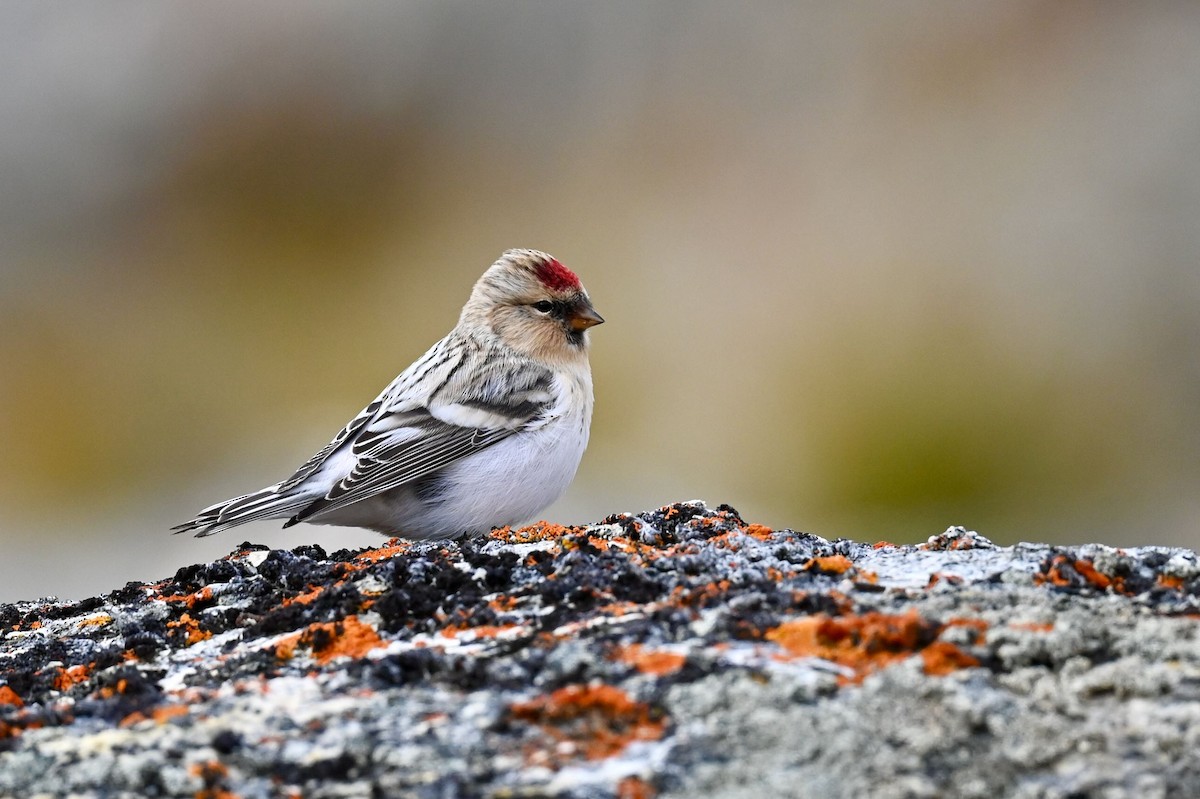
869	269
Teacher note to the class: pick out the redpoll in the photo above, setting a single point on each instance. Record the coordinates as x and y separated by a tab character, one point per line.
485	429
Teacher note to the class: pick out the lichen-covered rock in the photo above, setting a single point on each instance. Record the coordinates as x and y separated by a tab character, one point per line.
681	652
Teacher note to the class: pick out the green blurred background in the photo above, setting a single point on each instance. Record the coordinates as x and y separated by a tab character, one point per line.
869	269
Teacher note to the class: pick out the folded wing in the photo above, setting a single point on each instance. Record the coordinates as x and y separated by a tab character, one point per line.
401	441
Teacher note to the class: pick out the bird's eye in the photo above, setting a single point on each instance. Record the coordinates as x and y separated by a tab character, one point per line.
545	306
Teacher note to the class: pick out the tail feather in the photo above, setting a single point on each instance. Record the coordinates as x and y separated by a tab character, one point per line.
263	504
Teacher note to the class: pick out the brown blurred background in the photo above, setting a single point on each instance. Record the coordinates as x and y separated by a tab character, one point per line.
870	269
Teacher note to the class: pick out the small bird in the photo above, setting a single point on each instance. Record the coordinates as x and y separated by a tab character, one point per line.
485	429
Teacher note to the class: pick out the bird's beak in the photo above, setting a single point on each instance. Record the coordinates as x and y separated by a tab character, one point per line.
584	316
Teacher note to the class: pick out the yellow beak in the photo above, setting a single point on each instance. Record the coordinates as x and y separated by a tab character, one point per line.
584	316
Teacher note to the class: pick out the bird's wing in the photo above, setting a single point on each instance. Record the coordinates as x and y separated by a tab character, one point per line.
434	367
352	428
406	439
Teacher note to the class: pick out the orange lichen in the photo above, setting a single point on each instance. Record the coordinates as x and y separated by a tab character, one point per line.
731	540
831	564
868	642
700	595
978	625
649	661
328	640
882	545
943	657
109	691
573	539
9	697
1032	626
391	549
628	546
306	597
159	714
635	788
947	541
1170	581
285	649
98	620
937	577
1089	573
625	608
534	533
759	531
215	774
194	634
592	721
205	594
65	678
1055	574
504	603
601	544
480	631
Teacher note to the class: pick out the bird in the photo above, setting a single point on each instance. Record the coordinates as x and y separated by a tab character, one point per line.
484	430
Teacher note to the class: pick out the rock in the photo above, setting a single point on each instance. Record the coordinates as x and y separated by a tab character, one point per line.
682	652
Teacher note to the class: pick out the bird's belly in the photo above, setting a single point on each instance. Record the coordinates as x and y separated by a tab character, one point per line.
506	483
511	481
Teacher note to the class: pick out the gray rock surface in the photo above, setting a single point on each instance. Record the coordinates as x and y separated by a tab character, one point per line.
676	653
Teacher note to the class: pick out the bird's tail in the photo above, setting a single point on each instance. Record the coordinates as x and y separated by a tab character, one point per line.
267	503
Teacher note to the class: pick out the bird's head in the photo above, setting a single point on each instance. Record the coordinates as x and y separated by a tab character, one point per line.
535	305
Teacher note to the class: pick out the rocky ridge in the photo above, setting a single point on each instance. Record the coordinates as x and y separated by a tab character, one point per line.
679	652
